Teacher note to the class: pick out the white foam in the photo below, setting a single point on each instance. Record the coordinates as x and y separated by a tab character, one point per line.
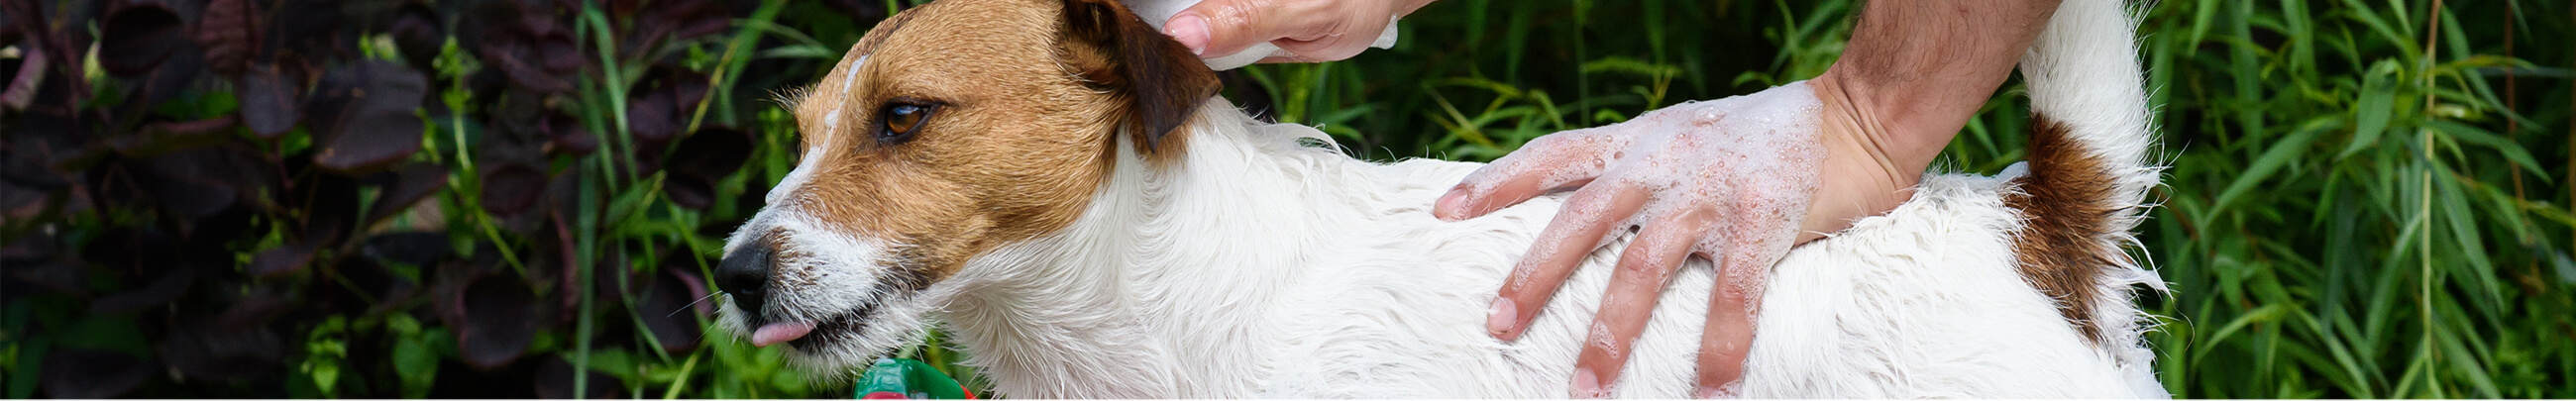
1753	161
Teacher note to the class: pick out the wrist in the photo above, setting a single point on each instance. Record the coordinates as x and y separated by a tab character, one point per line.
1867	170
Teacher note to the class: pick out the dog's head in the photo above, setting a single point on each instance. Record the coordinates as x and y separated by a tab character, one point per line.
951	129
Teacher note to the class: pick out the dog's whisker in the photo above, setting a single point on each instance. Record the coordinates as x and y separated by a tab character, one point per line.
700	300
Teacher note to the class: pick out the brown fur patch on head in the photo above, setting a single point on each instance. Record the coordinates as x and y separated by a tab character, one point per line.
1024	107
2069	203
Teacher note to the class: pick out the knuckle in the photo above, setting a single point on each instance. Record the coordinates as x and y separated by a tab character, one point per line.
1545	141
1242	17
1642	272
1587	200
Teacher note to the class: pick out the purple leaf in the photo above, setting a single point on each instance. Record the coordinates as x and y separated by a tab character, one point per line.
562	56
92	374
703	159
418	33
525	44
26	187
498	319
306	29
281	260
667	309
201	349
565	135
229	31
663	105
160	137
35	259
268	101
195	183
510	188
169	287
137	37
260	307
25	77
410	185
368	114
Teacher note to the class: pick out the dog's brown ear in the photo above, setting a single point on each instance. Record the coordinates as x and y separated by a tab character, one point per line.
1158	79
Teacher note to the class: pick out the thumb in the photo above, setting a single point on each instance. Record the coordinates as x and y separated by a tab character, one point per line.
1216	28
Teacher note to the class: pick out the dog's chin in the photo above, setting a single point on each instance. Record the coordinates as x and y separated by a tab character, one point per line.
845	342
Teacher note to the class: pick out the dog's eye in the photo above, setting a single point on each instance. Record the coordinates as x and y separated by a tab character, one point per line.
901	119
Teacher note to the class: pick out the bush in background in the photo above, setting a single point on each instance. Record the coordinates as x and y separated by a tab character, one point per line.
388	198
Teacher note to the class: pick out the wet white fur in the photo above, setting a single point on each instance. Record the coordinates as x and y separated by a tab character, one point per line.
1259	267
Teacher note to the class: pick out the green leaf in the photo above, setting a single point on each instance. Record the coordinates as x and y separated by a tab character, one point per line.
2264	314
2271	161
613	361
804	52
2512	151
2378	102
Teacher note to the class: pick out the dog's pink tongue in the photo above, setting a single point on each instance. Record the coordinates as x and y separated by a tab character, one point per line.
779	332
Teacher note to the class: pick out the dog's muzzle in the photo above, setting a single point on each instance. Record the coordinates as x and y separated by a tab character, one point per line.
746	275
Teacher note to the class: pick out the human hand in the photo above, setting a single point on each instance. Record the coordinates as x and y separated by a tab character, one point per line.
1314	30
1736	181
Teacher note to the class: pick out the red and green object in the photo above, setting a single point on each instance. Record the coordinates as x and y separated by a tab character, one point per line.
897	379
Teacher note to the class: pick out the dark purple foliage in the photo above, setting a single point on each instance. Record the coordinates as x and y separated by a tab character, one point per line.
82	373
368	115
230	33
496	317
701	160
246	170
137	37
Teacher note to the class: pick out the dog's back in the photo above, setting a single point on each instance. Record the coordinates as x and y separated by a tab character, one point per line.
1925	301
2005	287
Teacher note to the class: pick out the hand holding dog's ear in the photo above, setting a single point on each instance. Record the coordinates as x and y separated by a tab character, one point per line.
1736	181
1315	30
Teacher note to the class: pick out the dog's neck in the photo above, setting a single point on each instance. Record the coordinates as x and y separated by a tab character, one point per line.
1178	262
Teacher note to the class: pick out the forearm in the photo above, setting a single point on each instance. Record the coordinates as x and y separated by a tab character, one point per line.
1911	76
1915	71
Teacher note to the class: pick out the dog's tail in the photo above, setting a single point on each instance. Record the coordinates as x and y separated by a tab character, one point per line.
2088	171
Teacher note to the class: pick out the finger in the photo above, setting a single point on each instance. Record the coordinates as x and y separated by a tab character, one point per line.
1576	230
1742	274
1644	269
1289	59
1342	43
1215	28
1559	160
1727	338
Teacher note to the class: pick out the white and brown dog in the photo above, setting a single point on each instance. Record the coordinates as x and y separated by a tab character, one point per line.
1055	181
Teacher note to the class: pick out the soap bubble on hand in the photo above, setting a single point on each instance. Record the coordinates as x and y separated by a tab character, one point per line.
1728	180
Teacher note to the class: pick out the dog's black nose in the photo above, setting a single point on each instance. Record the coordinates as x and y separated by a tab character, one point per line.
745	275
